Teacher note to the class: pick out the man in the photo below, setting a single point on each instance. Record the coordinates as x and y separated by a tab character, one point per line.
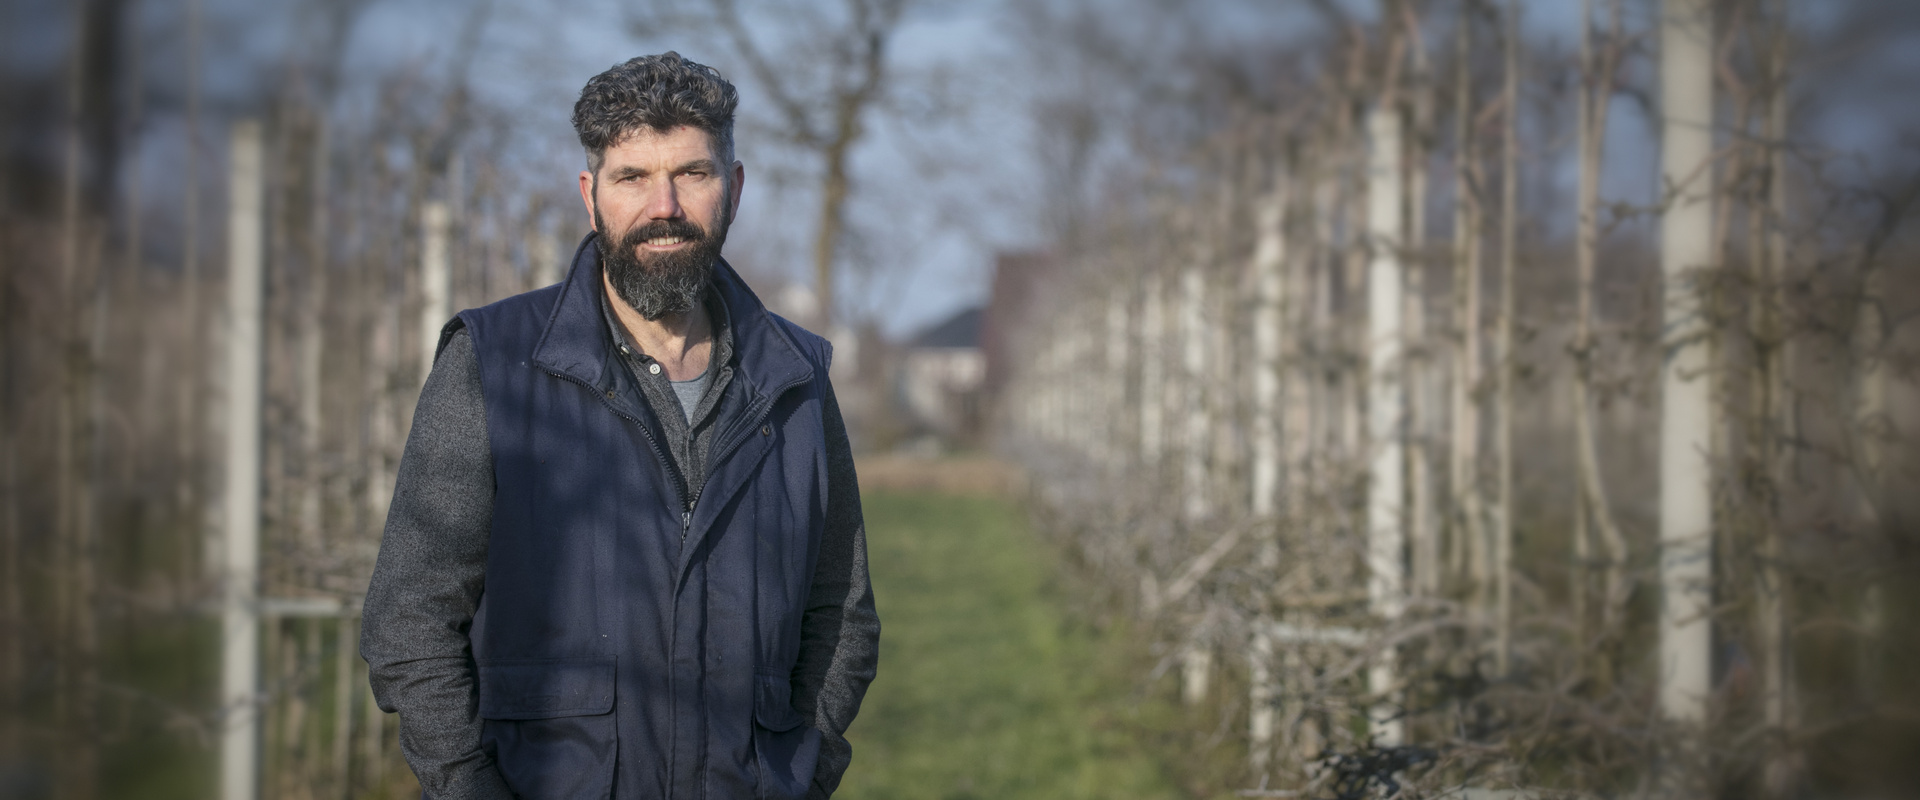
625	556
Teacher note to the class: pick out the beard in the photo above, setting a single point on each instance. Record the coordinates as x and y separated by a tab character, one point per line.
658	284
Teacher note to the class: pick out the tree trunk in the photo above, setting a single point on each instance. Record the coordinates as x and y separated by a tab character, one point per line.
1224	377
834	187
76	493
1327	412
1504	408
1594	100
1774	608
345	654
13	657
1422	532
375	742
1296	379
1686	246
187	426
315	342
66	419
1468	539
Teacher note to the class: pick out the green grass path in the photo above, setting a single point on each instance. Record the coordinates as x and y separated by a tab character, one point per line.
985	690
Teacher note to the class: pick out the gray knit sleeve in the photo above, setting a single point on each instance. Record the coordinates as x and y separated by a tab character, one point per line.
427	581
840	633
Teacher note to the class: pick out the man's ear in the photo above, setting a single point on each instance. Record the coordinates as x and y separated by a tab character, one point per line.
586	195
739	180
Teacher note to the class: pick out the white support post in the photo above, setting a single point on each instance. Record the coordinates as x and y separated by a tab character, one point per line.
1260	696
1686	248
240	557
1193	302
436	280
1153	335
1269	254
544	253
1196	671
1386	398
1114	383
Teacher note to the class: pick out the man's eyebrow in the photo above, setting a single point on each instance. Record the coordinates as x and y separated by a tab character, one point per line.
696	165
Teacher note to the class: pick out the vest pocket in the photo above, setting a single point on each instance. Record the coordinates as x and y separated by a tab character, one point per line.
788	749
548	724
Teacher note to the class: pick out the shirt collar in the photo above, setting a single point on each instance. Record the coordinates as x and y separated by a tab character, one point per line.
716	317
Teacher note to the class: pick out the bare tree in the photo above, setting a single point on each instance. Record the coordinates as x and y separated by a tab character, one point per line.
1768	422
1594	98
1502	555
1423	398
825	71
1468	540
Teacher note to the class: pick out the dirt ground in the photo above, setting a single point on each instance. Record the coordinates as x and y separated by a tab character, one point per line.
970	474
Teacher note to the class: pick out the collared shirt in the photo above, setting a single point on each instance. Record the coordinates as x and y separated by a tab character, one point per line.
688	432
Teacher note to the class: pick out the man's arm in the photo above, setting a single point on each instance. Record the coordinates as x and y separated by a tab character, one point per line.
427	581
840	634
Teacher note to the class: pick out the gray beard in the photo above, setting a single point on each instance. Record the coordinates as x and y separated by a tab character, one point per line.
659	284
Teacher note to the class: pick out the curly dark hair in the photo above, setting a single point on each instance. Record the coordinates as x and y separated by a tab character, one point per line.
659	92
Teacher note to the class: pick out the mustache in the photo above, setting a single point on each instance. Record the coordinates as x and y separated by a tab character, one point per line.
659	228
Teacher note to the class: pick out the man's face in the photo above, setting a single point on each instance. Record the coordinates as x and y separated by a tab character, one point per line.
662	203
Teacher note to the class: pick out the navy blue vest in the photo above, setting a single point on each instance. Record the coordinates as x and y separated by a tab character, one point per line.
627	648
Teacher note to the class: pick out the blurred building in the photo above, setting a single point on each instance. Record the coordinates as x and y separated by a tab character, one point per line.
1018	280
942	373
1022	284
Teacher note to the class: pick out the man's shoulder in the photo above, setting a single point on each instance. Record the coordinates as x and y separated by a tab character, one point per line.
753	320
816	348
518	310
541	299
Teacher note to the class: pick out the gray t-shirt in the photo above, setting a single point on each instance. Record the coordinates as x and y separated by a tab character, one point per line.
691	391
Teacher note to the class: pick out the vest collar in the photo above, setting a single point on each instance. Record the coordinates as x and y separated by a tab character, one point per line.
576	342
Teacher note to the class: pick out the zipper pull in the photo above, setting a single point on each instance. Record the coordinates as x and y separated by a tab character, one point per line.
686	516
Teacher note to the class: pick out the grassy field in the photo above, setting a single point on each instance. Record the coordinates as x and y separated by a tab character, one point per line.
986	690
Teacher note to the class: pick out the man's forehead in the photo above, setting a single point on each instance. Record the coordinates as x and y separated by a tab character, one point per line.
643	143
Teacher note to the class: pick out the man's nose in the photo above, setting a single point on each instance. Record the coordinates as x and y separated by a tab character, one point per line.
663	200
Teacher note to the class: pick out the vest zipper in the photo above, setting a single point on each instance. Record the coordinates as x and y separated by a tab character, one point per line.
686	517
727	447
